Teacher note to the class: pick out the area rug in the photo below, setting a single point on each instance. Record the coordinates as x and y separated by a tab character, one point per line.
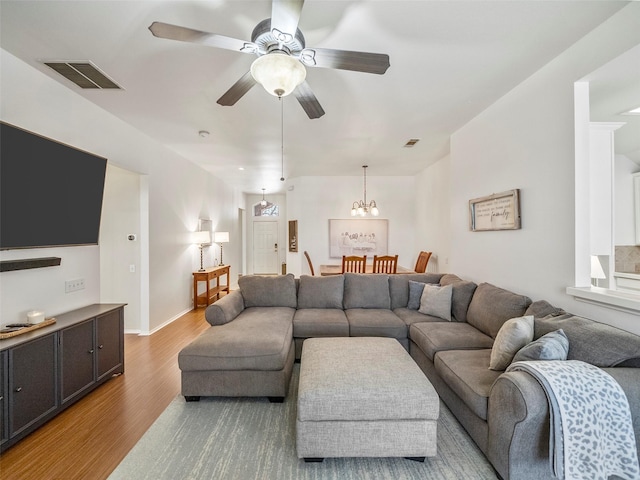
250	438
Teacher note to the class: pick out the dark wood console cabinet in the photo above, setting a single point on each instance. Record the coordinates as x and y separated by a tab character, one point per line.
44	371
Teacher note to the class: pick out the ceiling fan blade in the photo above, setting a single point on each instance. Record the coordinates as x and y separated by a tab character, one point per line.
285	15
237	90
308	101
184	34
345	60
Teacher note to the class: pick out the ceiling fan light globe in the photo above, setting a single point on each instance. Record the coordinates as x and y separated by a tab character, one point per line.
278	73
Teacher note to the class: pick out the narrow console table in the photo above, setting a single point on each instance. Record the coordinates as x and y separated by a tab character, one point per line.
212	292
44	371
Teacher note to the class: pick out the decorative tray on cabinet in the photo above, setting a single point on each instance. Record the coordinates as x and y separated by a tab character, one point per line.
12	333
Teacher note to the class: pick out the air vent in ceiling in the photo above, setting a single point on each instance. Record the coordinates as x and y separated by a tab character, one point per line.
83	74
411	142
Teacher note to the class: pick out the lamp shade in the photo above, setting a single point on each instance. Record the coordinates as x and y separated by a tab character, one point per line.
221	237
278	73
201	238
596	268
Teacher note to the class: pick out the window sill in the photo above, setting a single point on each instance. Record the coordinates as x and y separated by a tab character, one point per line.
623	301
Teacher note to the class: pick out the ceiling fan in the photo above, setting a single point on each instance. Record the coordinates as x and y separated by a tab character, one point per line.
280	46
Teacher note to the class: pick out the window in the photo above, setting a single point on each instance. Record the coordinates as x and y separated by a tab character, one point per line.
599	130
268	210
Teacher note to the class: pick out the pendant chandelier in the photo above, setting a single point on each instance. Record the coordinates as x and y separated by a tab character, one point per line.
362	208
263	202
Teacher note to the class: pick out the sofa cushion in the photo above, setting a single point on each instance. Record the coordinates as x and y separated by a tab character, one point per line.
225	309
436	301
320	292
512	336
320	322
371	322
467	374
258	339
551	346
268	291
542	308
491	306
433	337
592	342
363	290
414	316
399	286
462	294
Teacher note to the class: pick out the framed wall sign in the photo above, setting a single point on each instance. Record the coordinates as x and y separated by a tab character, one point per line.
293	235
358	237
500	211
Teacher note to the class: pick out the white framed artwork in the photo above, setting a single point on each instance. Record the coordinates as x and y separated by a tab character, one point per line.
358	237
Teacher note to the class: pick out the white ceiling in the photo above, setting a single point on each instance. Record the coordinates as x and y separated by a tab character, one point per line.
449	61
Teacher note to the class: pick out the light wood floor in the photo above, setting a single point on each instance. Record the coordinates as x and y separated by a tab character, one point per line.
90	438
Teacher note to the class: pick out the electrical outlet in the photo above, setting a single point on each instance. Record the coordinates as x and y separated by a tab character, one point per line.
74	285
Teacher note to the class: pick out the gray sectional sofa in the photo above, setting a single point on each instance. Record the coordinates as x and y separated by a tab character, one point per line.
258	331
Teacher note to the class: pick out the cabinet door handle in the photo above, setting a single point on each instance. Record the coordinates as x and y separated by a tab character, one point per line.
100	347
91	351
19	389
1	398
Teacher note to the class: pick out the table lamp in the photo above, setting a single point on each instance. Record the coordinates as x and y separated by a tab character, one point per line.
221	237
201	239
596	269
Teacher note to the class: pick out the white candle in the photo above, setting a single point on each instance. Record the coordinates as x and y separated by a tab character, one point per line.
35	316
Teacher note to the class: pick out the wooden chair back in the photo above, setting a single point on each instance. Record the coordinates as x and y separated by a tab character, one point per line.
354	263
385	264
421	264
306	254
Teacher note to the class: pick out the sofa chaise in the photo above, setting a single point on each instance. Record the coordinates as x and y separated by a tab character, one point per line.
258	330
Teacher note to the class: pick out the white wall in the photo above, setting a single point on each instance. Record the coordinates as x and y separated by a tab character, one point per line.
526	141
179	194
624	228
121	217
433	214
315	200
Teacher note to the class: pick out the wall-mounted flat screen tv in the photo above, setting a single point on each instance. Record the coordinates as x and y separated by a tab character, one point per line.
50	193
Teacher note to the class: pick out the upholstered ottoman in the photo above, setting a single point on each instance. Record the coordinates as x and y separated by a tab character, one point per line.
363	397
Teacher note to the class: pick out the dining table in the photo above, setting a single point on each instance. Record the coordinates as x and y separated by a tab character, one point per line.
336	269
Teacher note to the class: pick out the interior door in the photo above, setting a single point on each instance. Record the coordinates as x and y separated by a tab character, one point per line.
265	248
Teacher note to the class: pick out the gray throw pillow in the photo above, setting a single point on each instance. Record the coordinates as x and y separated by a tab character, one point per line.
552	346
415	293
512	336
436	301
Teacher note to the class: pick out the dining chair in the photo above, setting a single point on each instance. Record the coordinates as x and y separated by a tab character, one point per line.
354	263
306	254
421	264
385	264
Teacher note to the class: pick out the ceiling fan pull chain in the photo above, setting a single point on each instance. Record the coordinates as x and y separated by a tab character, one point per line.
282	136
